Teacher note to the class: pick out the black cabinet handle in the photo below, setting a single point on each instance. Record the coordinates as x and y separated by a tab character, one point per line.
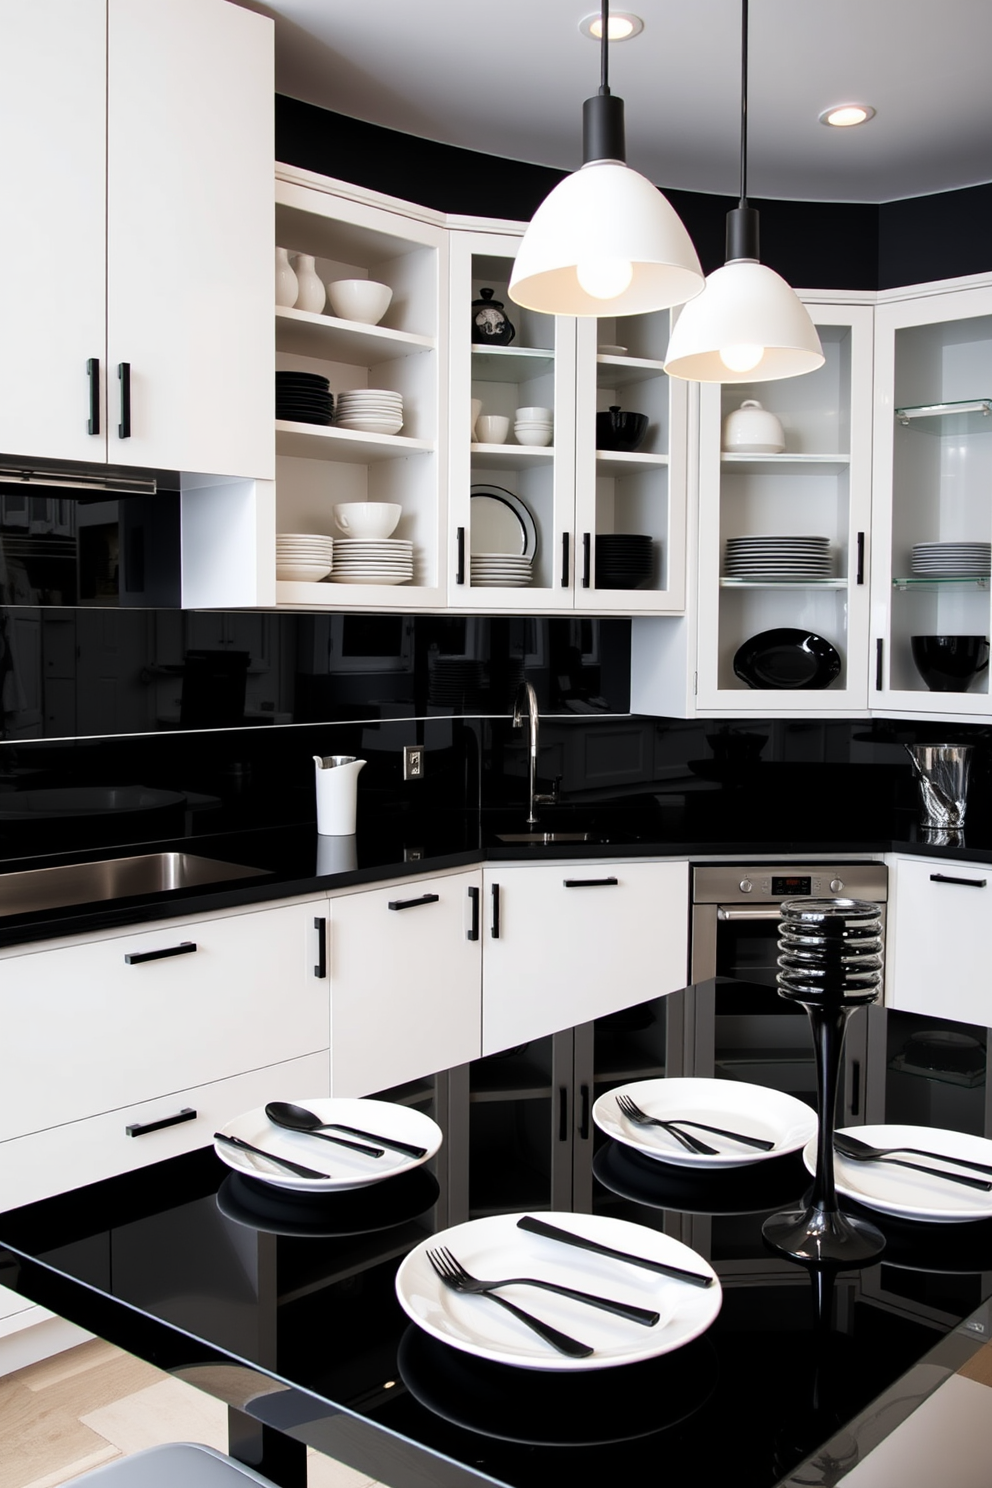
142	1128
124	427
968	883
473	930
562	1113
93	373
566	541
586	559
184	948
320	970
584	1113
494	928
861	559
460	570
590	883
855	1087
878	664
414	903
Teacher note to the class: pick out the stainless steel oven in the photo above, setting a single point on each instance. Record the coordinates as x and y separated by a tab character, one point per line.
737	1026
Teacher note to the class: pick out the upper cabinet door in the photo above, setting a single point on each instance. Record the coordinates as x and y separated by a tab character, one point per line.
189	235
52	176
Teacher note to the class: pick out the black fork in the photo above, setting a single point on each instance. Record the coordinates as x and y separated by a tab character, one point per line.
560	1341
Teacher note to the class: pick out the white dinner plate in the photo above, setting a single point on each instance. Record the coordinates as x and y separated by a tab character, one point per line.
892	1190
501	523
494	1247
345	1169
730	1104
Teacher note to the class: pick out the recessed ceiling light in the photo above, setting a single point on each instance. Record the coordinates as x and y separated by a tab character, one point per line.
844	115
623	25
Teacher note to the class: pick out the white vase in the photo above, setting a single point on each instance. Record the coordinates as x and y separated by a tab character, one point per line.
312	292
287	284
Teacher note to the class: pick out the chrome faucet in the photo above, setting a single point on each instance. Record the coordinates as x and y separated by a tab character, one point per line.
527	703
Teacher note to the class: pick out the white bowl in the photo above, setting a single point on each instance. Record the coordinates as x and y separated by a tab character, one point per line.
533	436
363	300
368	519
476	410
606	350
533	415
491	428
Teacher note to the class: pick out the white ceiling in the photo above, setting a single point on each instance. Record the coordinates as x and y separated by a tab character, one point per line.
509	79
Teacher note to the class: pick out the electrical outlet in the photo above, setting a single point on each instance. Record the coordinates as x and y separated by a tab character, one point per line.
413	761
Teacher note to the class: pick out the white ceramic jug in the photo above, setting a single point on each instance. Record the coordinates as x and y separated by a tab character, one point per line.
337	793
312	294
752	430
287	284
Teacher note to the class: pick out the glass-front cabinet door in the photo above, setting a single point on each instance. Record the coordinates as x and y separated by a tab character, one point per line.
784	521
933	475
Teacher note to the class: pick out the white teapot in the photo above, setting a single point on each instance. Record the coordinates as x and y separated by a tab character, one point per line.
752	430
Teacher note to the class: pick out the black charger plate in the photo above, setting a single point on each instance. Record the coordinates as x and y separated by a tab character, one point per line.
787	658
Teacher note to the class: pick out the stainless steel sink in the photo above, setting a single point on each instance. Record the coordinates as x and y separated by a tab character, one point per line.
546	838
113	878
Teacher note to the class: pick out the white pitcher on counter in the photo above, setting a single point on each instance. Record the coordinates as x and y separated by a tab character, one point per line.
337	793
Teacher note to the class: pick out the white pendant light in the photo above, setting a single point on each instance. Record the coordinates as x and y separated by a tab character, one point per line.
605	241
748	325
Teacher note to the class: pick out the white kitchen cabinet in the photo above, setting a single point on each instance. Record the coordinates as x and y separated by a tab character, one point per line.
318	466
141	192
110	1022
936	953
405	977
932	475
568	942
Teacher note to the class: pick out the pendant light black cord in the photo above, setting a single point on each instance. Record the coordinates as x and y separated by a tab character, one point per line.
603	135
742	222
604	48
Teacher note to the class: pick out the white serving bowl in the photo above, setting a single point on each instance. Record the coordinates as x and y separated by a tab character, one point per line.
363	300
533	436
533	415
368	519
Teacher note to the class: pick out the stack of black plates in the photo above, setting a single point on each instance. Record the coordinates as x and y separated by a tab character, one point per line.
304	397
623	561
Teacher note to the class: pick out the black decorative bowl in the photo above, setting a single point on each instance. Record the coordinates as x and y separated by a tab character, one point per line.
619	430
948	663
787	658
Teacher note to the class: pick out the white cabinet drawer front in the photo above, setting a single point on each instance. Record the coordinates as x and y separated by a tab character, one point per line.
65	1157
87	1030
577	941
405	983
937	946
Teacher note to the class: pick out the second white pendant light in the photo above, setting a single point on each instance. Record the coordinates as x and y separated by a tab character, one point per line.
748	325
605	241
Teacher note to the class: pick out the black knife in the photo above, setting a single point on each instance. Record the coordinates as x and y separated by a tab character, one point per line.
282	1162
550	1232
393	1142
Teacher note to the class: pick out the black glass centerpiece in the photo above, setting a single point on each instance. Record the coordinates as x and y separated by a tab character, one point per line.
830	962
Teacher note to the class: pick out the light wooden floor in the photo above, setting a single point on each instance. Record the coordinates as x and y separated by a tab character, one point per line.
93	1403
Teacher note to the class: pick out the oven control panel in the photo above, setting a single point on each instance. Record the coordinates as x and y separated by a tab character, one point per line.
771	883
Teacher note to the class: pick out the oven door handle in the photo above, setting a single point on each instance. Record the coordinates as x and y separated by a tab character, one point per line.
749	912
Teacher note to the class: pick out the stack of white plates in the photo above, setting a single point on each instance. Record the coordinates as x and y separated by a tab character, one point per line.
953	560
500	571
303	556
366	560
774	557
372	410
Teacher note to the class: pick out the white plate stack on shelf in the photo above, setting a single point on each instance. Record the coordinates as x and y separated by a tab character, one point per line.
303	556
952	560
500	571
363	560
504	539
770	557
369	410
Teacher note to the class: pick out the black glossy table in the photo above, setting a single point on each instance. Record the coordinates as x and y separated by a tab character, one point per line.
287	1312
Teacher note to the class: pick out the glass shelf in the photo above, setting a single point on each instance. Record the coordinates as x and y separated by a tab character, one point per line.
929	411
510	363
783	583
917	581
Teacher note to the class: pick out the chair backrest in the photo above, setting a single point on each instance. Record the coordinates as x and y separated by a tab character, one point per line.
191	1464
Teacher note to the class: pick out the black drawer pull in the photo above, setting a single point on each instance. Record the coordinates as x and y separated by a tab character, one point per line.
590	883
565	544
184	948
460	570
968	883
473	930
124	427
878	664
93	373
584	1116
855	1087
494	930
413	903
586	559
142	1128
861	559
320	970
562	1113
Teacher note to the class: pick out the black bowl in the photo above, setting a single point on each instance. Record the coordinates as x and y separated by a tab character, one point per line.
948	663
618	430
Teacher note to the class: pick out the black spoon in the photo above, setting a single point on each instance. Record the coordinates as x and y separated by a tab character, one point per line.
298	1118
283	1113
